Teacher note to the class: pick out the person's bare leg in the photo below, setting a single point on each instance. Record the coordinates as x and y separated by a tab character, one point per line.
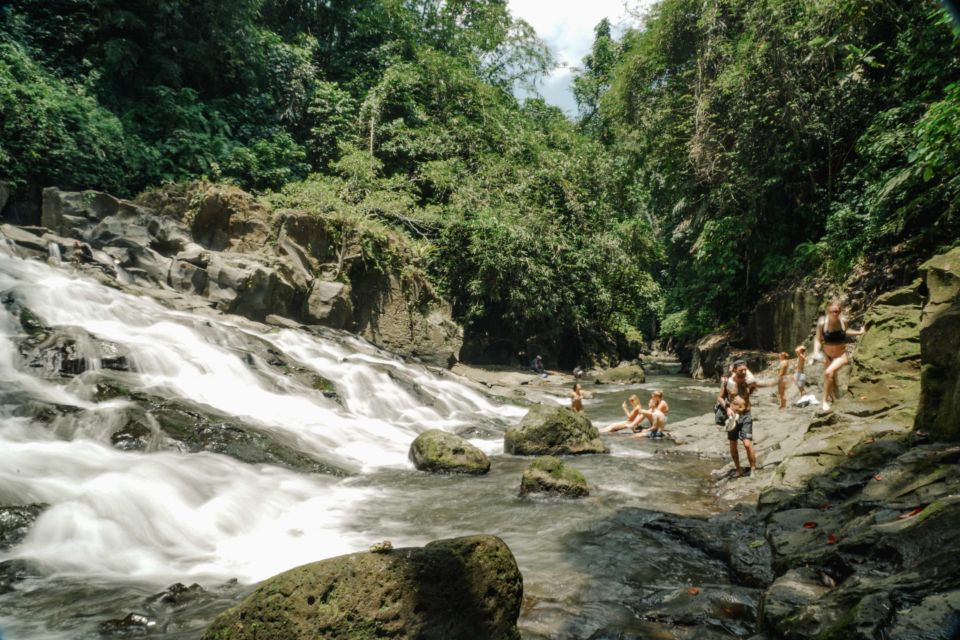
751	456
615	427
830	380
782	392
735	454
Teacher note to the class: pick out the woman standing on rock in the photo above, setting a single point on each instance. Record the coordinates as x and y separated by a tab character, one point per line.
831	340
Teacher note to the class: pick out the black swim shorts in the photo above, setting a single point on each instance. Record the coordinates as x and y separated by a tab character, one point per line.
743	430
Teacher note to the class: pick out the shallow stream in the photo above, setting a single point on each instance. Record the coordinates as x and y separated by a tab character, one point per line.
122	526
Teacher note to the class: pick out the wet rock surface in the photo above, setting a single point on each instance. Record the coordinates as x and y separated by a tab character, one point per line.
223	246
552	430
441	452
15	523
459	589
549	475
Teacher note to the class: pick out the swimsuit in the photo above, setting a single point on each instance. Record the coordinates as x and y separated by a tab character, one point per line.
837	336
744	428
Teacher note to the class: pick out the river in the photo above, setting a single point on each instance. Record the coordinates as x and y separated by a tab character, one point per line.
124	525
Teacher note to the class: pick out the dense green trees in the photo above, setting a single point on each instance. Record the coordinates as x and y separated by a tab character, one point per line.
377	112
775	137
722	145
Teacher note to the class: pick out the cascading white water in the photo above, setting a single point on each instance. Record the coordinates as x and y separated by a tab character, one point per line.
164	516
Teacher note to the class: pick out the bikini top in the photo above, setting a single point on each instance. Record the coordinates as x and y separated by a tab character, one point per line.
837	336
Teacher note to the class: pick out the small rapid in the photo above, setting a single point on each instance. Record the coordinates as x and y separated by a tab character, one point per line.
121	524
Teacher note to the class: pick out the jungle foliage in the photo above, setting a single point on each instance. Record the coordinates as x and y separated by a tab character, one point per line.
386	112
770	138
722	145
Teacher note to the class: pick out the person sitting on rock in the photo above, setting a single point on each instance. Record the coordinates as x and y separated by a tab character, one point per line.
656	414
633	416
743	431
536	365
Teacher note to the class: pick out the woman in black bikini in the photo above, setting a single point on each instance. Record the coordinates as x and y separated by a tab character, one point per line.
831	340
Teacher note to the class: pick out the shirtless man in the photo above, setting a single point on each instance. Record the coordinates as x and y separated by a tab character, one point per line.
740	383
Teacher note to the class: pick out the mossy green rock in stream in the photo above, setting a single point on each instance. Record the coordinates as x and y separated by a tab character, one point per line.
553	430
548	474
627	374
939	410
459	589
439	451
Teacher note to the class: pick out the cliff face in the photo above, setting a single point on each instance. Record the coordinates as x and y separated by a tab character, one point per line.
939	410
783	321
220	243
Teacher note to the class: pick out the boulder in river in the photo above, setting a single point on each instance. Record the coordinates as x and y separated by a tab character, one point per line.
548	474
440	451
458	589
553	430
624	374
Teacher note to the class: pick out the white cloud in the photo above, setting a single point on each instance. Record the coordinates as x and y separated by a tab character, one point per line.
567	27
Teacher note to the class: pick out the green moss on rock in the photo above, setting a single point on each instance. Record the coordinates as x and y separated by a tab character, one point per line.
548	474
460	589
553	430
439	451
628	374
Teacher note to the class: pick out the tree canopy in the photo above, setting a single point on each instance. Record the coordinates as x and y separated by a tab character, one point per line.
721	145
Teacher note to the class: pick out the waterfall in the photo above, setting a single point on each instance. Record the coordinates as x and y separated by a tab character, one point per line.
161	515
54	250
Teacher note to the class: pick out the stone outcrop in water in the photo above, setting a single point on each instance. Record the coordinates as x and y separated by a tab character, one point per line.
15	523
550	475
222	244
939	411
551	431
443	452
459	589
624	374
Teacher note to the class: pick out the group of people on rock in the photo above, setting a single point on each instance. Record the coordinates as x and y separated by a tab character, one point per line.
655	413
829	344
736	389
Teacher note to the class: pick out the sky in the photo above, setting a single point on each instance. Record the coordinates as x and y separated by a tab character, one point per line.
567	27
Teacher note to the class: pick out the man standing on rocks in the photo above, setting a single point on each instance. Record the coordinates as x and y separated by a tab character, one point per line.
740	383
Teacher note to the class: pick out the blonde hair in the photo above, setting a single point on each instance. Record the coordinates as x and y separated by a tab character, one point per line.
658	393
834	302
633	397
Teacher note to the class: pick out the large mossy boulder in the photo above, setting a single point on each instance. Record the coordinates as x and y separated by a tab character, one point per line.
459	589
939	410
624	374
552	430
441	452
548	474
885	376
